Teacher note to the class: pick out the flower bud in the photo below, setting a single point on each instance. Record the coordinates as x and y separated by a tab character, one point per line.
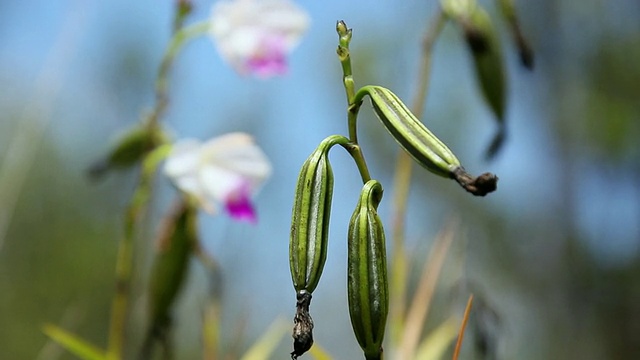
367	285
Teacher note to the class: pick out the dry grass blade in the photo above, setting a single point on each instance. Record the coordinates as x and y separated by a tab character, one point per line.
319	353
421	302
465	319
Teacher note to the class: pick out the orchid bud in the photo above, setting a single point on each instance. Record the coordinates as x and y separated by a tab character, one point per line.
367	284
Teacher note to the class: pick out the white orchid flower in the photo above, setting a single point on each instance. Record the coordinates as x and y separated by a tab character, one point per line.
255	36
226	170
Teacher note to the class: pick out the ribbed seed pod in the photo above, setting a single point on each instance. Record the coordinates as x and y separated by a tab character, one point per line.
367	285
419	142
410	133
175	245
309	236
310	218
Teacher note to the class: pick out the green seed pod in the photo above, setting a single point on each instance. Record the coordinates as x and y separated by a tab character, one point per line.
127	151
485	47
410	133
310	218
175	245
367	285
458	9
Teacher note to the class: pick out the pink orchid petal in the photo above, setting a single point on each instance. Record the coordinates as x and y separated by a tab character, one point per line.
240	208
270	59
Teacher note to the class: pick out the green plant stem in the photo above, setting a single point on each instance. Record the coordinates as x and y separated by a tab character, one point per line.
402	182
344	56
124	261
355	151
180	38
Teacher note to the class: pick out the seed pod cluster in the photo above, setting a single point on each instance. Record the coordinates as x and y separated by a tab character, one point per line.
367	284
309	236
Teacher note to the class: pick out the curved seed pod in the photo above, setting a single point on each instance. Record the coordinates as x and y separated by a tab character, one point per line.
127	151
170	266
367	285
485	47
419	142
310	218
410	133
458	9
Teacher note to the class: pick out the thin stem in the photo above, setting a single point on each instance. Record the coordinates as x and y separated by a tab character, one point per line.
354	150
124	261
352	120
402	181
179	39
356	153
353	105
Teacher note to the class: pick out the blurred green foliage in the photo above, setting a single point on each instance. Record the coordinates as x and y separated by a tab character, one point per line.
530	248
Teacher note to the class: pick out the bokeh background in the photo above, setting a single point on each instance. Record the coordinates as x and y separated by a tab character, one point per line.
554	254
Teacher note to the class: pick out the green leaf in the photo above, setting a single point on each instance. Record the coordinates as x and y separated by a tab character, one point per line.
74	344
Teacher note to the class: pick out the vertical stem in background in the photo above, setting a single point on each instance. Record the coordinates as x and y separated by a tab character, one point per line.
124	261
125	257
179	39
402	181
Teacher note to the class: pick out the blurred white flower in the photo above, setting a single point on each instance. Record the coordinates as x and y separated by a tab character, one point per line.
255	36
226	170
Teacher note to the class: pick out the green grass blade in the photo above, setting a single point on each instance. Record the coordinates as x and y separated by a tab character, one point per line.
74	344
